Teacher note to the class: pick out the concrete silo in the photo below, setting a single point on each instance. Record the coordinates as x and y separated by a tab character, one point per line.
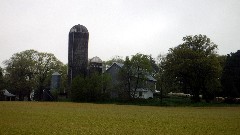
77	52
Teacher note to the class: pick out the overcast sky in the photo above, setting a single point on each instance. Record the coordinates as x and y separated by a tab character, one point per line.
116	27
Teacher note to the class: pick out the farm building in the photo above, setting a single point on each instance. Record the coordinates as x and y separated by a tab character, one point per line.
145	89
7	96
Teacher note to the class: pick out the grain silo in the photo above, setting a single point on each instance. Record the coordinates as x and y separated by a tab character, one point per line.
77	52
95	65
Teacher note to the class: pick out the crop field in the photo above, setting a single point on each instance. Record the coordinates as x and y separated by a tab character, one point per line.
85	118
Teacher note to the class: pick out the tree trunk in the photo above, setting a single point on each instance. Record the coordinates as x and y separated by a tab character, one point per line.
196	97
136	85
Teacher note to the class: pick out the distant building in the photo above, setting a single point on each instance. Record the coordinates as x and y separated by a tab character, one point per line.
77	52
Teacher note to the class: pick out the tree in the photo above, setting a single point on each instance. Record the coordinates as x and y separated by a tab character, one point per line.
46	64
21	72
64	79
91	88
194	67
154	65
78	89
116	58
163	79
2	83
125	77
134	72
231	76
30	70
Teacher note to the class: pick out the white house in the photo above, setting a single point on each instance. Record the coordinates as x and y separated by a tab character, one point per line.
144	93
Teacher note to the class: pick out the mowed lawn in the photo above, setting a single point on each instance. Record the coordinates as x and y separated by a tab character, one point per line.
86	118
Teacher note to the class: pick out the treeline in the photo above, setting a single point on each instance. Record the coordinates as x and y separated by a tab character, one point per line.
193	67
29	71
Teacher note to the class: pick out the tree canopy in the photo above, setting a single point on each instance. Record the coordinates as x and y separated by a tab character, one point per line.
30	70
193	66
90	88
134	72
2	83
231	76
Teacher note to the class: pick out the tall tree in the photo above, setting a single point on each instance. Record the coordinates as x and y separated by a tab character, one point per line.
30	70
164	83
116	58
193	65
231	76
46	64
21	71
134	72
154	65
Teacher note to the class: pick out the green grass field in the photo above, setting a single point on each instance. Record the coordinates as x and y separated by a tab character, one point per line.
85	118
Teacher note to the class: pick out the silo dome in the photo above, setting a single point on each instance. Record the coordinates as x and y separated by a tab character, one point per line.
96	60
79	28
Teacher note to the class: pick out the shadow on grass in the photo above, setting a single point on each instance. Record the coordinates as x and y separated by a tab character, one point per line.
166	102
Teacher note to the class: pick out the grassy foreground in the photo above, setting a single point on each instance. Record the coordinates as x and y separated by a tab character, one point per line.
84	118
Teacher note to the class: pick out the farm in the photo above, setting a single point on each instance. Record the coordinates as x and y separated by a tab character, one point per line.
88	118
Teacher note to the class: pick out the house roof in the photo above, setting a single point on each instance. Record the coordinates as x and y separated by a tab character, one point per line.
8	94
120	65
149	77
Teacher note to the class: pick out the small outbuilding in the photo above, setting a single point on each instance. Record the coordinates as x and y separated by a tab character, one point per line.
7	96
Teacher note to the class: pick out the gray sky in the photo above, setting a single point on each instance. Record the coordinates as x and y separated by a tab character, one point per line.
116	27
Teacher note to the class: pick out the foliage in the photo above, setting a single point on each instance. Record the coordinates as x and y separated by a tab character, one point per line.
64	80
2	82
91	88
164	83
231	75
116	58
30	70
59	118
154	65
193	67
133	73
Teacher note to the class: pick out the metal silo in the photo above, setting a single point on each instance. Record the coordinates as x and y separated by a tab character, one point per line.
56	79
95	65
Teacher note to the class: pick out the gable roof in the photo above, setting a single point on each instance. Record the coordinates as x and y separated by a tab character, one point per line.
8	94
149	77
119	64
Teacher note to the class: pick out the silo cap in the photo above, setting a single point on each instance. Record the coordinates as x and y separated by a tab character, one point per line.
55	73
96	60
79	28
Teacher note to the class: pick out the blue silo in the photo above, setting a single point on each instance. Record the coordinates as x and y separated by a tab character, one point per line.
56	79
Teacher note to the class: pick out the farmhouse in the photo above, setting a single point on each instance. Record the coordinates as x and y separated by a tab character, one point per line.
145	90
